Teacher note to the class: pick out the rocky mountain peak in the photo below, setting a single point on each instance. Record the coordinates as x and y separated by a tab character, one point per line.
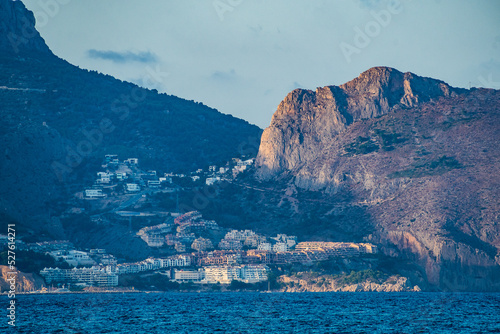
307	119
17	29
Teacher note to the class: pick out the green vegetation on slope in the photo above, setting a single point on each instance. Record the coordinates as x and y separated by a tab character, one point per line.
433	167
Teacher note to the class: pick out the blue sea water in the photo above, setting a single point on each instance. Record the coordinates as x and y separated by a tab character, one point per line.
256	313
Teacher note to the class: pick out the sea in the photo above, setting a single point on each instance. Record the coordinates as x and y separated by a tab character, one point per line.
253	312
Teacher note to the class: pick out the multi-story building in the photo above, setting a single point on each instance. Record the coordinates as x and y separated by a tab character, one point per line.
186	238
222	274
49	246
180	247
132	161
133	187
239	235
254	241
94	193
189	275
101	257
226	274
153	240
253	273
158	229
121	176
230	244
218	258
94	276
254	256
289	240
154	235
211	180
128	268
73	257
154	183
154	264
330	248
202	244
178	261
187	217
170	239
280	247
265	246
107	260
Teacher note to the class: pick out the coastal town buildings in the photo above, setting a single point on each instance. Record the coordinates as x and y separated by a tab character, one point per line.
189	275
202	244
230	244
240	255
244	273
154	236
72	257
154	264
94	193
94	276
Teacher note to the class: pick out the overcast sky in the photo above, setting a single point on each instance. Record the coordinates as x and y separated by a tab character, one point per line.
242	57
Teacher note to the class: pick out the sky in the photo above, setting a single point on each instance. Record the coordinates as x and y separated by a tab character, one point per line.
243	57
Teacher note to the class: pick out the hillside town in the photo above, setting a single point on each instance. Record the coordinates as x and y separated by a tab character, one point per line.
229	262
126	177
200	250
242	255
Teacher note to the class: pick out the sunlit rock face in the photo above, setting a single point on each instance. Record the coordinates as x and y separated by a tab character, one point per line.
306	121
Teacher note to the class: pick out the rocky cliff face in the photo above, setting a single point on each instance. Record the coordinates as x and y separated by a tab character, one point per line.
328	284
17	29
24	282
419	157
306	121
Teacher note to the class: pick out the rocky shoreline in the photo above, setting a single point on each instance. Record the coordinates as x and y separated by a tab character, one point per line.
328	284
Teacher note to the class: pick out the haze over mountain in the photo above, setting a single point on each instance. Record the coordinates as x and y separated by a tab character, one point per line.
59	121
418	157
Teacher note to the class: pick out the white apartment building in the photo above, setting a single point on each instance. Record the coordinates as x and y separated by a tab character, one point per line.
240	235
153	183
108	259
202	244
133	187
230	244
121	176
73	257
280	247
189	275
132	161
153	240
153	264
265	246
94	193
244	273
93	276
222	274
290	240
211	180
253	274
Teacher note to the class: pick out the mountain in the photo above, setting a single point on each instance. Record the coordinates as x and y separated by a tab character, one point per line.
17	29
307	121
58	122
418	158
